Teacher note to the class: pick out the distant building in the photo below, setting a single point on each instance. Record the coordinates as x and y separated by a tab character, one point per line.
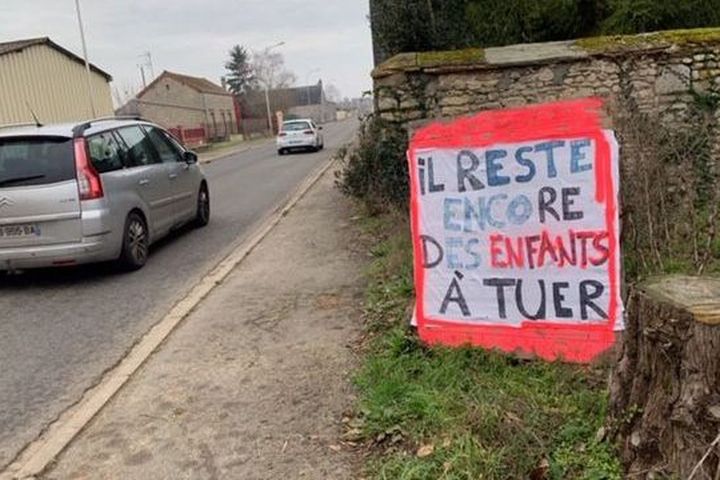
39	75
294	102
186	104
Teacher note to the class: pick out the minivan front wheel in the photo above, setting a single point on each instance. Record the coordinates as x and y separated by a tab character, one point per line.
136	243
202	217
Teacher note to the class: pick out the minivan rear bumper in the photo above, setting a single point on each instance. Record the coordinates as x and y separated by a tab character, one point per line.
91	249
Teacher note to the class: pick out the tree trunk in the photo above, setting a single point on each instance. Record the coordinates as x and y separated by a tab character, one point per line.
665	390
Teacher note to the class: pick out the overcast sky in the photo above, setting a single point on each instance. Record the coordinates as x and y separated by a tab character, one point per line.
194	36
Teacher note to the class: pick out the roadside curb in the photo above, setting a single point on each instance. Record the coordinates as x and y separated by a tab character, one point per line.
35	458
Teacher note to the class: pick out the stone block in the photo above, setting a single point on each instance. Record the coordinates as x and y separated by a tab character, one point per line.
387	103
454	101
673	79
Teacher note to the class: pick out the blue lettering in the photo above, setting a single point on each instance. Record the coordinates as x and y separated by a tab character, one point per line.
549	149
451	214
451	244
478	215
494	168
491	220
577	155
525	162
473	242
519	210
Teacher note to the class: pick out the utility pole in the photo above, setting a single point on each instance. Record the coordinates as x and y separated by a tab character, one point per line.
91	97
142	74
147	56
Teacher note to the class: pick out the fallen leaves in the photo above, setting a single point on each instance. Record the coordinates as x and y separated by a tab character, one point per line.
425	451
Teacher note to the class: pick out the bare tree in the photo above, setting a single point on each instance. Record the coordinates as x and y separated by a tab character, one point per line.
122	94
270	70
332	93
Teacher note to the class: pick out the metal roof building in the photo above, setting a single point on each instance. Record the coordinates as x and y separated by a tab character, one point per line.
41	76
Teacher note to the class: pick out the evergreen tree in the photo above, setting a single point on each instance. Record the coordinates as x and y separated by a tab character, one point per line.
241	76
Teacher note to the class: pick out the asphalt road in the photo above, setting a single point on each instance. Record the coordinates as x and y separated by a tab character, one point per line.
60	330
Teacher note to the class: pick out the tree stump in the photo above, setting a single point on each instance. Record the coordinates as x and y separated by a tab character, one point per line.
665	390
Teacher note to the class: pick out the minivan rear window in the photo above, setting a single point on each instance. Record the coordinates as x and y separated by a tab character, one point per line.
295	126
26	161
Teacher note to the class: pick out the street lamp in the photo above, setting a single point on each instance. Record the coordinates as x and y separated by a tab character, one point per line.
307	82
85	55
267	89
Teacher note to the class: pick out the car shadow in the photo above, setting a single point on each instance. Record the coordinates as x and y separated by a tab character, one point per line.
82	274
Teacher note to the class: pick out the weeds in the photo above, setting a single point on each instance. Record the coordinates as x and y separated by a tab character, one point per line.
485	415
376	171
670	197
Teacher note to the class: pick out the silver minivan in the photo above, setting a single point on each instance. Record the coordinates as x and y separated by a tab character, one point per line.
96	191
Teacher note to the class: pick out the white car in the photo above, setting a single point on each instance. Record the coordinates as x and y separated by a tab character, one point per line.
299	135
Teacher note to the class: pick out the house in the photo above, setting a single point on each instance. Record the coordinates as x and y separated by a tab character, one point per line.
294	102
38	75
194	108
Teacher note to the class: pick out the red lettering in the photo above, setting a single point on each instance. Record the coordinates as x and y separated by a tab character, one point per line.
566	258
602	249
496	251
531	248
584	237
546	247
515	255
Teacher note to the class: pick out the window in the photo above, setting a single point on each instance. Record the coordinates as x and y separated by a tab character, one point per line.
167	151
36	161
106	153
140	148
176	143
295	126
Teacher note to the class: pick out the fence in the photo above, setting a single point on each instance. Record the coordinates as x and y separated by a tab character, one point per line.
191	137
254	126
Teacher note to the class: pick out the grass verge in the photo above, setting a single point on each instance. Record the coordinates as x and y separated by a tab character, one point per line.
436	413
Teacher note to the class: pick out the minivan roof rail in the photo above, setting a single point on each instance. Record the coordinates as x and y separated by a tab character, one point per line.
18	125
81	127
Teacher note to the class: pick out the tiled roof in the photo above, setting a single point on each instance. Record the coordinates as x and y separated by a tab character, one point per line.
20	45
202	85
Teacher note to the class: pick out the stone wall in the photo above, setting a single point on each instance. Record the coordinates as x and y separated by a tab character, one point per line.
647	73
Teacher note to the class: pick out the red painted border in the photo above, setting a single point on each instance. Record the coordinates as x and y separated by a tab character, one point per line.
561	120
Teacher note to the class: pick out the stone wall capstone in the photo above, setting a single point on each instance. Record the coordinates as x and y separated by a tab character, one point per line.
648	73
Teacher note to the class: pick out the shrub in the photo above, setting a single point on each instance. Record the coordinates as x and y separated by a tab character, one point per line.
423	25
375	170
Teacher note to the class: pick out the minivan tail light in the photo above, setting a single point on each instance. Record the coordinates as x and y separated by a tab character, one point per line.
282	134
89	183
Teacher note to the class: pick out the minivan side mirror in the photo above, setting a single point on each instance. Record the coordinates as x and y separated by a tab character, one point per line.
190	157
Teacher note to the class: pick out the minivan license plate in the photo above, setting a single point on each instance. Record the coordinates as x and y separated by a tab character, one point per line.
15	231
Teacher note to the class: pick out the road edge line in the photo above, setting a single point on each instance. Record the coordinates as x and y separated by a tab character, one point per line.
35	458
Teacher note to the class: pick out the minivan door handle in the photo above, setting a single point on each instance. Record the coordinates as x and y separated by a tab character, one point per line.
144	182
173	176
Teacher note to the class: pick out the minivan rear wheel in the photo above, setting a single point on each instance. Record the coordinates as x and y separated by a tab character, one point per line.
136	243
202	217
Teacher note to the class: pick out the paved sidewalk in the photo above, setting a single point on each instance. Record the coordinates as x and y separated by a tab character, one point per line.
253	385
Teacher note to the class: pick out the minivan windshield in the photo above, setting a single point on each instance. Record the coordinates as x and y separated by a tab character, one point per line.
27	161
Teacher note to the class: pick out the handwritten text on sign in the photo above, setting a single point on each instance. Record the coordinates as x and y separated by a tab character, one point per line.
515	230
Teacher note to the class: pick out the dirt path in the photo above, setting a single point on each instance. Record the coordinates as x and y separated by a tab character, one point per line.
254	384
